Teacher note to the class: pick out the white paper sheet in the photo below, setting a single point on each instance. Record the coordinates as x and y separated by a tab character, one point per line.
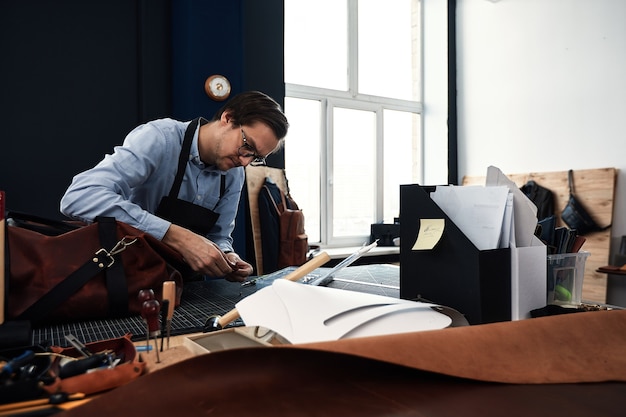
477	211
525	218
303	313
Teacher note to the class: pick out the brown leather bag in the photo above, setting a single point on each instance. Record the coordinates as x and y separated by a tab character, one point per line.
91	272
292	238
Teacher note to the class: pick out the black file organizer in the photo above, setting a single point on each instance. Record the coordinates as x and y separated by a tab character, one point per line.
454	273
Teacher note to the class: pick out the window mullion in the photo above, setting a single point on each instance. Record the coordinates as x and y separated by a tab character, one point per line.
327	173
379	164
353	47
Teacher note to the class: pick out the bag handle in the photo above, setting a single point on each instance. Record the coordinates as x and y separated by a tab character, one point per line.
271	198
40	224
570	181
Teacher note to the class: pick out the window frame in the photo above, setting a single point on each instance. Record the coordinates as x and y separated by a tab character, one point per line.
352	99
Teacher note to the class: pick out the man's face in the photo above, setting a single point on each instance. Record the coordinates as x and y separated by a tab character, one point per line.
241	145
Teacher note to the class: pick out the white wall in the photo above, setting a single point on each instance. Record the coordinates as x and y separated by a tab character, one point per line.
542	87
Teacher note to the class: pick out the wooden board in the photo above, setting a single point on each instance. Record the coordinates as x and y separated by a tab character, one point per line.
255	177
595	188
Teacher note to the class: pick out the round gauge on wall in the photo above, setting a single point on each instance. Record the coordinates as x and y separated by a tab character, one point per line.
217	87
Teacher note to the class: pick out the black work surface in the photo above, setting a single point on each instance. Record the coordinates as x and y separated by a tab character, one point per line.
202	299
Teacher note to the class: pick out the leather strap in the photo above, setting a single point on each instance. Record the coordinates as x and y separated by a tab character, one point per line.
570	181
117	288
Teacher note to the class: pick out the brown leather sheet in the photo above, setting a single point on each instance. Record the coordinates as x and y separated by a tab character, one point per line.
580	347
301	382
366	377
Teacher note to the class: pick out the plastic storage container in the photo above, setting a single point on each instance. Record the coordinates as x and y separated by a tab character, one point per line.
566	272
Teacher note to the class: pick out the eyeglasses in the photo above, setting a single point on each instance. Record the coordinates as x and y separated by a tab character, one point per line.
247	151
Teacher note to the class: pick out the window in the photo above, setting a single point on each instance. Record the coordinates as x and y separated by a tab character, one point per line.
352	73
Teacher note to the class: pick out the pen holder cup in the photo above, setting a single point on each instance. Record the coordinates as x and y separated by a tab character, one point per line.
566	272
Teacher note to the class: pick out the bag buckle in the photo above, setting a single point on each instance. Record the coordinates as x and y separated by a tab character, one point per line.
119	247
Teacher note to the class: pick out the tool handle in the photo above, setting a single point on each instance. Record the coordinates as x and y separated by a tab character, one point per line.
295	275
145	295
16	363
308	267
150	312
80	366
169	294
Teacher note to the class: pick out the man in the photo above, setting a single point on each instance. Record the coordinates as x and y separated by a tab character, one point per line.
181	181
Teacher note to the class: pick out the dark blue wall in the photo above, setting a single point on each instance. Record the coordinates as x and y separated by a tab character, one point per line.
82	74
242	40
206	39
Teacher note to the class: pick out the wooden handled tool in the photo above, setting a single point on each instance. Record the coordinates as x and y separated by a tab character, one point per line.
150	313
216	322
169	294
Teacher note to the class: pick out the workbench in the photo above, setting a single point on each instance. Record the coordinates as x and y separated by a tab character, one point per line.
530	367
570	365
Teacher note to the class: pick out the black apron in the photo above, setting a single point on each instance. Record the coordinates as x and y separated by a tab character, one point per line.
184	213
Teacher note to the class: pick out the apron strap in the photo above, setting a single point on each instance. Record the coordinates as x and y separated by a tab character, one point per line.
183	158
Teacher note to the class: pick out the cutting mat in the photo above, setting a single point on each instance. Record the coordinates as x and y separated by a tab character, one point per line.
202	299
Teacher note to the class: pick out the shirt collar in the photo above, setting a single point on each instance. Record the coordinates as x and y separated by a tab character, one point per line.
194	153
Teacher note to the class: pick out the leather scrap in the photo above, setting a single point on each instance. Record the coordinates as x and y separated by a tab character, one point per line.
570	348
299	382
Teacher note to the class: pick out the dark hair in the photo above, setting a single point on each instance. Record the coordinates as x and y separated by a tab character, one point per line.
254	106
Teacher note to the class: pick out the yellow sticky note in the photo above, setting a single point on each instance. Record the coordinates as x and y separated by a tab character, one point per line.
429	234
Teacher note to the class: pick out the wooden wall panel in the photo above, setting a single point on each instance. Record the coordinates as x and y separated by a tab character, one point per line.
595	188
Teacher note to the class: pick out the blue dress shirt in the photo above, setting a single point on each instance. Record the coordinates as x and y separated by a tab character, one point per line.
130	183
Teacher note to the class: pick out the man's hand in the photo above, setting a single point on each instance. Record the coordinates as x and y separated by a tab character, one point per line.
204	256
241	271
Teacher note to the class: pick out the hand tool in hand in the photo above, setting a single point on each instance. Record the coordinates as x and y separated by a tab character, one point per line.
150	313
169	293
216	322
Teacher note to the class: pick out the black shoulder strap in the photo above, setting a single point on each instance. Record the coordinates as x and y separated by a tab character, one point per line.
570	181
115	276
183	158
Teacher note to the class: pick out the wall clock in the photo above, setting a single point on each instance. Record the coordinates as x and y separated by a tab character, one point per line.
217	87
